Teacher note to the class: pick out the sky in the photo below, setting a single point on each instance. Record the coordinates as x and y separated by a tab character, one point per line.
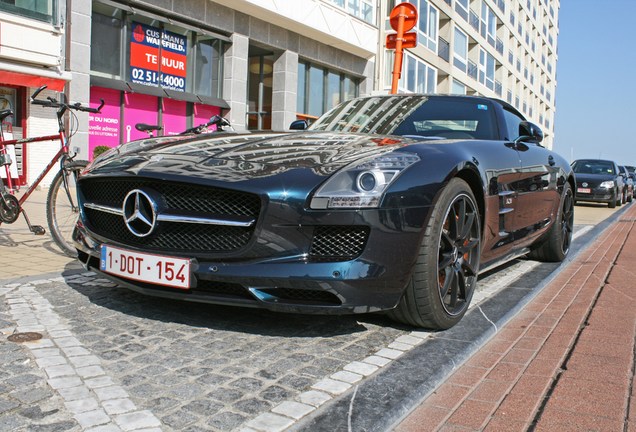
595	113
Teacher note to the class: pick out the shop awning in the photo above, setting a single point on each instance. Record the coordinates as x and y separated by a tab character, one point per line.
28	80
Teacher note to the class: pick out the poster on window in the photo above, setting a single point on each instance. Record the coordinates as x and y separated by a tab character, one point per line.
103	127
138	108
152	66
174	116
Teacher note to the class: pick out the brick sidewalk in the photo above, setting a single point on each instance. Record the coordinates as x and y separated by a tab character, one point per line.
565	362
24	254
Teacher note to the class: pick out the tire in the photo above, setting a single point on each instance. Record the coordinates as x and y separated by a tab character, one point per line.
62	211
612	203
445	273
558	239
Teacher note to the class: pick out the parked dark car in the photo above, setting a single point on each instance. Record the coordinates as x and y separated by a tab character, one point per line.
629	183
599	180
386	203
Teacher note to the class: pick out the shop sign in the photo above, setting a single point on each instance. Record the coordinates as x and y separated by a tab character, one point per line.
150	65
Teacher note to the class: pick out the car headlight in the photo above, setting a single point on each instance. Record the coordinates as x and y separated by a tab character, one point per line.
361	185
608	184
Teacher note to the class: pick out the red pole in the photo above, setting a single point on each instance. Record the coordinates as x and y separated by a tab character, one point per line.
397	61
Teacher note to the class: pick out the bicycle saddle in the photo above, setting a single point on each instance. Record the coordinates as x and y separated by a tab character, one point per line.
143	127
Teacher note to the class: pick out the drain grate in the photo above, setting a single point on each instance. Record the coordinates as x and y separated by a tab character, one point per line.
24	337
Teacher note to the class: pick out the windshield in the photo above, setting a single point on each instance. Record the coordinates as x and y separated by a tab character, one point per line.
444	117
593	167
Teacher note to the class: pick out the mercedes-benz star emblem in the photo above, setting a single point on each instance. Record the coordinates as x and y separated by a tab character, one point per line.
140	213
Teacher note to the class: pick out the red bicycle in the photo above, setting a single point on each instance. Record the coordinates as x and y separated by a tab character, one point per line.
61	202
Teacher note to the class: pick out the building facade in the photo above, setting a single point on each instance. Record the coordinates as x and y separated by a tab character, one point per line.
264	63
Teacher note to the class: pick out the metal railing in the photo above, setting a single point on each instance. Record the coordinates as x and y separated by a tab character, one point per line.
472	69
443	49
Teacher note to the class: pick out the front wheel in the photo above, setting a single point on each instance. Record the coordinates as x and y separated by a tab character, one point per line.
62	208
445	273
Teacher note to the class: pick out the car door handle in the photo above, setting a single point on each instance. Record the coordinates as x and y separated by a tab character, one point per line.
551	160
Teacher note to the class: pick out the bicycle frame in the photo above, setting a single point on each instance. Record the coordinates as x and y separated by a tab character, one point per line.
60	137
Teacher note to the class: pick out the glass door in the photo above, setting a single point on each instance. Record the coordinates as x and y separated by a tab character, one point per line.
259	91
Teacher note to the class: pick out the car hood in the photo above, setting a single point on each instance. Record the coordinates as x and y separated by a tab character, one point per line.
234	157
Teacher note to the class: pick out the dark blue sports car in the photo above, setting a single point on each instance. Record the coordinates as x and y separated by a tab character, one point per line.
386	203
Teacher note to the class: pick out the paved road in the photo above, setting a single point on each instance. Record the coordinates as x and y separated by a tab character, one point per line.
113	360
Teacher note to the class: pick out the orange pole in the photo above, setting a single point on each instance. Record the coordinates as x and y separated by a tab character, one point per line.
397	61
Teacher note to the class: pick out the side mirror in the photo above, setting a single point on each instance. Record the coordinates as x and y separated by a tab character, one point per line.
529	132
299	125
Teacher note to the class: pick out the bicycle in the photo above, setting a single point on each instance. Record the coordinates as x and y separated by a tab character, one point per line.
61	202
221	124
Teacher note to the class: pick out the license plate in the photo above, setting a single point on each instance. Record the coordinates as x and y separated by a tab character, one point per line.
156	269
584	190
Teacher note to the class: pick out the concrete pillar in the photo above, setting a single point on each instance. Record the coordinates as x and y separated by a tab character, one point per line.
79	64
284	90
235	80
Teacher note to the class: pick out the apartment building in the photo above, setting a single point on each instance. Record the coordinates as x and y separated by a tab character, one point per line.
500	48
264	63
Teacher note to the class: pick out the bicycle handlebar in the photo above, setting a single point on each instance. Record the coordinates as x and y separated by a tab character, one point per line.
214	120
53	103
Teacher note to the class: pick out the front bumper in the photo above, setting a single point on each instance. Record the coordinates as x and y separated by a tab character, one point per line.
292	282
596	195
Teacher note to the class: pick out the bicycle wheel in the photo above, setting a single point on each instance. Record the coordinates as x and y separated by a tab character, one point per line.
62	208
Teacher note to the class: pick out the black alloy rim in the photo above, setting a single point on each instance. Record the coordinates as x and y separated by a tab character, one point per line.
458	256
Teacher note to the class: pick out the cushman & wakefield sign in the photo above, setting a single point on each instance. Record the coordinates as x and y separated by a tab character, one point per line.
158	57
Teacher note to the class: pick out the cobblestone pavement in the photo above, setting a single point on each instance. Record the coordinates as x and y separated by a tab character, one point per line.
113	360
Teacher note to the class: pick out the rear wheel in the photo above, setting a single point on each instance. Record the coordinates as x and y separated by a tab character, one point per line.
445	273
559	238
62	208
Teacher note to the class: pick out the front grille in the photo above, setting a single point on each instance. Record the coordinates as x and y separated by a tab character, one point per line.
172	237
338	243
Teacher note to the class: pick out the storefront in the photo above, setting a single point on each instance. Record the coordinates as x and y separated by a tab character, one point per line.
149	70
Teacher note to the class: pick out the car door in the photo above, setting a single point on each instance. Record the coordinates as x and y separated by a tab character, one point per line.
537	194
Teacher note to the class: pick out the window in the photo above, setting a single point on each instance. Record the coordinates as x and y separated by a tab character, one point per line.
461	7
320	89
486	69
458	88
427	24
513	120
488	24
143	50
460	50
41	10
418	77
106	30
362	9
207	72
